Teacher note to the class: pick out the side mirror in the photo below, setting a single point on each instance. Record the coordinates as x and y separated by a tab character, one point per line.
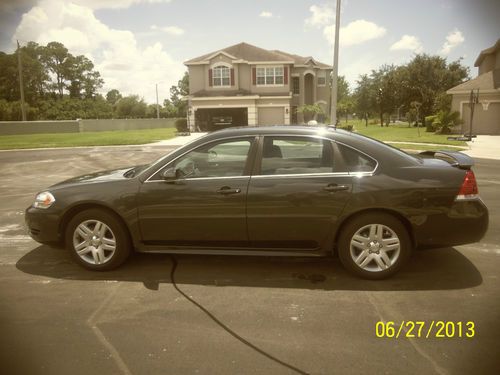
169	174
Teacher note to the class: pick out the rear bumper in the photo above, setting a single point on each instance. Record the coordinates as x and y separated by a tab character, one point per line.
466	222
42	226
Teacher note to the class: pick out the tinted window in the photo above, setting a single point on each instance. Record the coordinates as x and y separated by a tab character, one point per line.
296	155
221	159
356	161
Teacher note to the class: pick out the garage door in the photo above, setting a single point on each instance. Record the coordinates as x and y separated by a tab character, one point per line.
271	116
484	122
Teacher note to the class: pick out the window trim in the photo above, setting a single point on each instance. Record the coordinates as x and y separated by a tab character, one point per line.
265	67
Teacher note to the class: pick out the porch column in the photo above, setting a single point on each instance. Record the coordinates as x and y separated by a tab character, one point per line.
252	115
287	115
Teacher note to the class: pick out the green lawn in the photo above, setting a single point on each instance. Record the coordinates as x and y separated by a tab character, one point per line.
401	133
121	137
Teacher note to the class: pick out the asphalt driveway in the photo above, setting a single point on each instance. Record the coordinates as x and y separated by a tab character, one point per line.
181	314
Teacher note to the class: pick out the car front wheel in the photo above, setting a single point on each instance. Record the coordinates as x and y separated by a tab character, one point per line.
97	240
374	245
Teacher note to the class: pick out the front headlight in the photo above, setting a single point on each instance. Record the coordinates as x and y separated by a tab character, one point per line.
44	200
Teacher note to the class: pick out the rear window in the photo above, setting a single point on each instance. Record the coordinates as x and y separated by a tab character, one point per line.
355	161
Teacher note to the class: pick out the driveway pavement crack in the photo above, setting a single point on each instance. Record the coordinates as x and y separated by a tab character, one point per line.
225	327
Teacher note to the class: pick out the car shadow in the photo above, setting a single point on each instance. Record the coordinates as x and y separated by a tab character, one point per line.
437	269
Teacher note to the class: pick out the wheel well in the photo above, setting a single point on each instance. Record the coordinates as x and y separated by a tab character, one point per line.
396	214
68	215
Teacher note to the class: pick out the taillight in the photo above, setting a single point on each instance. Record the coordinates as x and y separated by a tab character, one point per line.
468	190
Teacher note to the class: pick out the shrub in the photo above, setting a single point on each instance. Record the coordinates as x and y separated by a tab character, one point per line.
445	121
181	125
429	123
346	127
309	111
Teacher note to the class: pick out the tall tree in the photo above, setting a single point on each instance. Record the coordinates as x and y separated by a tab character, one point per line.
113	96
55	57
177	93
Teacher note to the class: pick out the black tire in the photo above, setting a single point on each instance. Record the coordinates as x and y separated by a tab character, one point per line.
115	230
372	270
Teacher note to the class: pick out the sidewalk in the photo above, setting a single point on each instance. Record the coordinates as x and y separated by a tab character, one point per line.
178	141
484	147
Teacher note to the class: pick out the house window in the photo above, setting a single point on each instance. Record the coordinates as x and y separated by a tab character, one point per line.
221	76
270	76
322	79
296	86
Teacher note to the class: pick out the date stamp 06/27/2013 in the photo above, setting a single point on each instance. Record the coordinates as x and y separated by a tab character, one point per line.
425	329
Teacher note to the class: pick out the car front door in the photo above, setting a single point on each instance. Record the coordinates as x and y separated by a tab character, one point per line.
296	193
199	198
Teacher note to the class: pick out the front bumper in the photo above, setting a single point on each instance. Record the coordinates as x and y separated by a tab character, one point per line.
43	226
466	222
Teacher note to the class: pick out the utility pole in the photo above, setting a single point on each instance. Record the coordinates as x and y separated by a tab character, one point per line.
21	86
333	104
157	105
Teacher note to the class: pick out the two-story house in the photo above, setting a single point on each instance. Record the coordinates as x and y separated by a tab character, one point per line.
486	118
248	85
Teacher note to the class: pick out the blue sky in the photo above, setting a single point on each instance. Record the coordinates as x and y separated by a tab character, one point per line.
137	43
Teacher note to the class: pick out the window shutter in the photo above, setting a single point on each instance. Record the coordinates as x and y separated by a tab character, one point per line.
254	76
210	80
232	77
285	73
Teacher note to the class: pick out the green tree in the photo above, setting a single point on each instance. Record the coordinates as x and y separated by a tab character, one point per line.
177	93
131	107
55	56
113	96
427	77
364	98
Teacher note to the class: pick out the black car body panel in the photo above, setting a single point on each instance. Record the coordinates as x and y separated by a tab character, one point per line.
272	214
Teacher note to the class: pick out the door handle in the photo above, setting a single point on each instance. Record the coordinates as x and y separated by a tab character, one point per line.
226	190
332	188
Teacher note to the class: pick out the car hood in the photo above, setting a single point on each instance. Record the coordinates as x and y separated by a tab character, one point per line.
102	176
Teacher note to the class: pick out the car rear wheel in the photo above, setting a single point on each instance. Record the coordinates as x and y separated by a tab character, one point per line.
374	245
97	240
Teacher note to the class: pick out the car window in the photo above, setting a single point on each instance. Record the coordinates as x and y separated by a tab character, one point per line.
356	161
296	155
217	159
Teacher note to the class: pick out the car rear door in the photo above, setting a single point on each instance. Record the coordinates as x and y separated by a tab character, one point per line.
296	193
205	204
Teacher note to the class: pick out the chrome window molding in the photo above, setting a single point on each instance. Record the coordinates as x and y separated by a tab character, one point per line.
202	178
326	174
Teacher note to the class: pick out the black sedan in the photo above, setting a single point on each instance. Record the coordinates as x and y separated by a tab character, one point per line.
289	190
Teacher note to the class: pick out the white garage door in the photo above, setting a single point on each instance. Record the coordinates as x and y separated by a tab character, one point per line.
271	116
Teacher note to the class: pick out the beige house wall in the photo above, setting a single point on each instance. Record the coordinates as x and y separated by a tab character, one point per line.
487	64
196	78
245	76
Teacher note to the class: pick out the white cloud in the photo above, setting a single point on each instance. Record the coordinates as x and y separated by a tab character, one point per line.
322	15
265	14
453	39
356	32
115	53
408	42
115	4
172	30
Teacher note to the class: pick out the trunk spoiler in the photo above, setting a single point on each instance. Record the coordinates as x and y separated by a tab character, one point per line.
455	158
